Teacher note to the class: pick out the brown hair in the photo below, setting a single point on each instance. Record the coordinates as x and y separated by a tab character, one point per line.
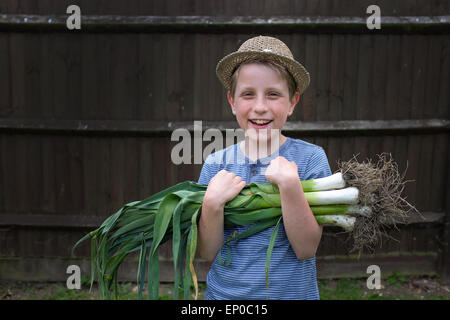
280	69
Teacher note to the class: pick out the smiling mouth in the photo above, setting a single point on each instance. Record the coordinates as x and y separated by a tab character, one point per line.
260	122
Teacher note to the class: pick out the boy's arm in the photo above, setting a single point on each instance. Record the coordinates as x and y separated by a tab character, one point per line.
223	187
301	227
210	230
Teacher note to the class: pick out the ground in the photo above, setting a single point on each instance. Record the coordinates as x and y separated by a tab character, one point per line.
397	286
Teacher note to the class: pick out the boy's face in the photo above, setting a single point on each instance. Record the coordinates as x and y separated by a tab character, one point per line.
261	99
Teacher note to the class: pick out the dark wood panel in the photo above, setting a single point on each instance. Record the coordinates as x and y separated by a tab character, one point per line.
89	175
37	235
85	116
172	77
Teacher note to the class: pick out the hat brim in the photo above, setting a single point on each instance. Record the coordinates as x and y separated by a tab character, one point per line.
226	67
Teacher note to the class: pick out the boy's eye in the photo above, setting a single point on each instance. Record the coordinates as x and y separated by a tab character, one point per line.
273	94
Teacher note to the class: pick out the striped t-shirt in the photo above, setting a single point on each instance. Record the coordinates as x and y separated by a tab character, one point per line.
244	278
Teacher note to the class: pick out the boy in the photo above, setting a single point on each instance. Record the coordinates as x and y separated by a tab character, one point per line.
264	84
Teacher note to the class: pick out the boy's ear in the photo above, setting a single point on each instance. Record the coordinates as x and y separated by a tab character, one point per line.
294	101
231	102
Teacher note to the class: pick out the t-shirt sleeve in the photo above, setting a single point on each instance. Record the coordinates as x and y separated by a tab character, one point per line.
318	166
209	170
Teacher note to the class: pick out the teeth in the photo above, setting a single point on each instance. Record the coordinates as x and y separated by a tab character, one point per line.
261	121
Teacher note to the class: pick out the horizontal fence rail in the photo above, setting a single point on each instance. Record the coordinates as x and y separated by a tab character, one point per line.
128	127
214	24
53	268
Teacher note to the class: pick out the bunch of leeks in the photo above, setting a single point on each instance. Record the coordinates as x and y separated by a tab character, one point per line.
173	213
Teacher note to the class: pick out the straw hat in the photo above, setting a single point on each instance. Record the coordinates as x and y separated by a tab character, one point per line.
262	47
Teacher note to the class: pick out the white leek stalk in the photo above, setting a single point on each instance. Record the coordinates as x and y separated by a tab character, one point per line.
335	181
343	221
342	196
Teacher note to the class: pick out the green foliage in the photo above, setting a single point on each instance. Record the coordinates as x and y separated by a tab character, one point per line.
396	288
173	214
396	279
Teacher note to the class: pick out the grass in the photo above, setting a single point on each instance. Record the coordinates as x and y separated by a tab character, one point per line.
396	287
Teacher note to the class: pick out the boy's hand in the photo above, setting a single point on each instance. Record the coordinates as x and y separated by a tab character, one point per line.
223	187
282	172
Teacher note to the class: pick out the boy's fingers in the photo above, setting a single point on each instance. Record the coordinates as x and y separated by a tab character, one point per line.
241	185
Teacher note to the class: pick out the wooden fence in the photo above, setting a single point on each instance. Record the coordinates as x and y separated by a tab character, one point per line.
86	115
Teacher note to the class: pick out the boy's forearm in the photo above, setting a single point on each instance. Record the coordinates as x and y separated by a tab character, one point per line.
210	233
301	227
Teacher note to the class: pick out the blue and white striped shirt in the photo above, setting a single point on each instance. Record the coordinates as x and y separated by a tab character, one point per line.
244	278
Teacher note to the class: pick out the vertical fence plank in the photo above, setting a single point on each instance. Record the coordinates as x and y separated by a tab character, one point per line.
159	73
145	79
419	73
351	63
363	101
323	77
445	237
74	76
337	79
62	184
5	76
173	83
311	64
406	68
378	83
118	172
105	74
438	179
2	173
431	82
18	94
444	80
414	146
60	77
33	173
392	83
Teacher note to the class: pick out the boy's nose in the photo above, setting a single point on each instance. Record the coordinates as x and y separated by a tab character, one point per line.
260	106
